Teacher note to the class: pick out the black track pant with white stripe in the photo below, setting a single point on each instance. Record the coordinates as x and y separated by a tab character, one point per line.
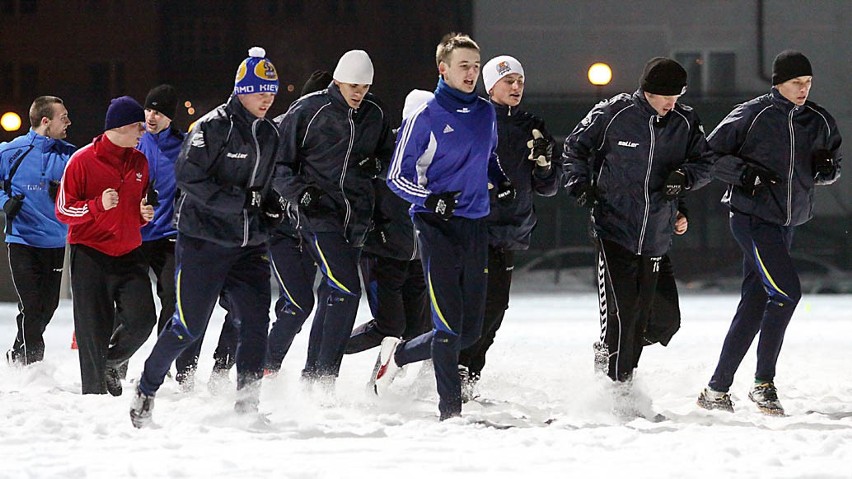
37	274
627	285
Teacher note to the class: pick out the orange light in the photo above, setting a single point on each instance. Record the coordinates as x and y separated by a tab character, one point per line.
600	74
10	121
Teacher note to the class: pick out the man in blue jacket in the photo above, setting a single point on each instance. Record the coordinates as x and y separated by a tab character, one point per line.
772	151
525	150
31	167
161	144
444	161
332	145
223	172
630	159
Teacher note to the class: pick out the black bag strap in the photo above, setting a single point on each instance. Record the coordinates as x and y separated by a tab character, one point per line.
17	158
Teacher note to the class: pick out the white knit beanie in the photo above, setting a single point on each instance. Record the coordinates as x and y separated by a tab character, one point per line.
354	67
414	100
497	68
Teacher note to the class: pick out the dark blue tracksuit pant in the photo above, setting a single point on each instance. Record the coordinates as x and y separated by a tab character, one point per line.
770	293
203	270
396	292
455	257
294	269
338	295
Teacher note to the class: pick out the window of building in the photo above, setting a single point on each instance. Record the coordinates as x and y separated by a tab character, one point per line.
710	72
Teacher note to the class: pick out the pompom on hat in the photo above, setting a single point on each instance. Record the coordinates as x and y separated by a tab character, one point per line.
123	111
256	74
663	76
790	64
354	67
497	68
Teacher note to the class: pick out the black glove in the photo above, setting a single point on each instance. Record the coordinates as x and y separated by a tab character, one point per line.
152	198
506	192
13	206
372	167
755	177
254	199
274	207
541	150
675	184
53	189
588	195
309	199
442	204
824	163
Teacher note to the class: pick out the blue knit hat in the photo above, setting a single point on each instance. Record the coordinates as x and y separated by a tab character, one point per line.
256	74
122	111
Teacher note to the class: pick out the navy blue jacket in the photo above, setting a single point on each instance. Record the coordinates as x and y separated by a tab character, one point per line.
773	132
628	151
36	224
510	224
162	150
322	140
228	154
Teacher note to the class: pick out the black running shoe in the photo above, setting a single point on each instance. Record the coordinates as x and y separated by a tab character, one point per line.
766	397
710	399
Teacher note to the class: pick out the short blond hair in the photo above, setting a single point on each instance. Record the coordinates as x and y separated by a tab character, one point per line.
452	42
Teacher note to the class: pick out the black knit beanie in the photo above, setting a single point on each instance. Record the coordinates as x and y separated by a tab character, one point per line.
164	99
663	76
790	64
319	80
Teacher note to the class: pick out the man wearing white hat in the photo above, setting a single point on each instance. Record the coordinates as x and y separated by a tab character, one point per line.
525	150
333	143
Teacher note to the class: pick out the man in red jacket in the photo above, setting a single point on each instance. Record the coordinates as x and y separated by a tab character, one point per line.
101	198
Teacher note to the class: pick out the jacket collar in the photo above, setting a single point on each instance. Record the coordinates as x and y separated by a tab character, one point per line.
642	102
40	142
505	110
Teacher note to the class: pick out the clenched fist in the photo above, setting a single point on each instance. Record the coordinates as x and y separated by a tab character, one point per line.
146	210
109	198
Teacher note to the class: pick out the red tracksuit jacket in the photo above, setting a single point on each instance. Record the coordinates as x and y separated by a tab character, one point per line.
91	170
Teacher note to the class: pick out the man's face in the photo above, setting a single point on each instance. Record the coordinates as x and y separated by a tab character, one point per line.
462	70
509	90
796	89
257	103
353	93
155	121
128	136
663	104
57	126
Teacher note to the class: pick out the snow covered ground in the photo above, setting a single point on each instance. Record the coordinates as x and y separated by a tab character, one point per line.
544	413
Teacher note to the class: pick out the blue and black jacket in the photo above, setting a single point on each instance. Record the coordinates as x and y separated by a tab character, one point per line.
625	148
224	163
161	150
776	134
448	144
510	225
35	224
322	140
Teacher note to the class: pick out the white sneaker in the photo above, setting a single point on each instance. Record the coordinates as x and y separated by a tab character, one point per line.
141	410
387	370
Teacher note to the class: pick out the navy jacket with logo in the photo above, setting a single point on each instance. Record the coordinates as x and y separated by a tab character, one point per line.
510	225
228	154
322	140
628	151
773	132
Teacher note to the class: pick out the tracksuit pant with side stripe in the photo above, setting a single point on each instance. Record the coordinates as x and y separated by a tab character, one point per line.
455	258
770	293
338	295
627	285
37	275
203	270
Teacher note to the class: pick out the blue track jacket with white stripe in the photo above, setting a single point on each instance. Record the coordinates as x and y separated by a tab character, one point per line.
448	144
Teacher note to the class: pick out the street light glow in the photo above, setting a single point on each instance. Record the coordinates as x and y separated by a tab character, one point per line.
10	121
600	74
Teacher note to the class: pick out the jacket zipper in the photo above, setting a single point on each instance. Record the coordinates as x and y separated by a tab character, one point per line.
792	166
647	180
343	174
251	180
